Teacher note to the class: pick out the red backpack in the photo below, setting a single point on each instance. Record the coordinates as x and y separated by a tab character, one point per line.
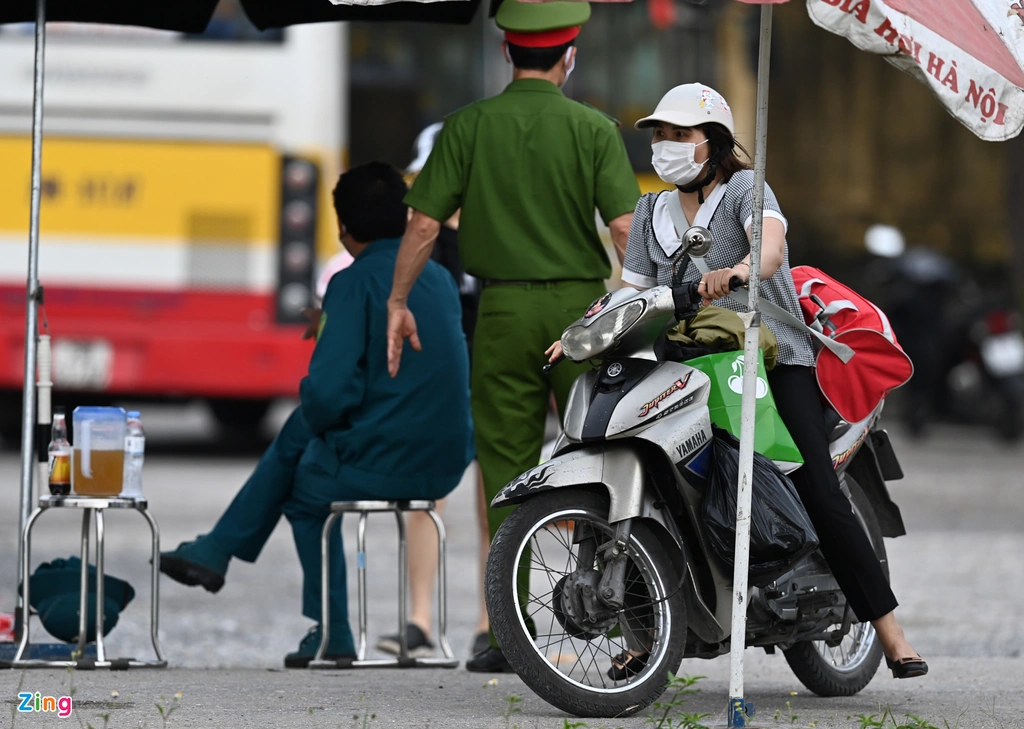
859	360
857	376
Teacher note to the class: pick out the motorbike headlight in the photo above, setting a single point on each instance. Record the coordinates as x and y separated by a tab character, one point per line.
583	342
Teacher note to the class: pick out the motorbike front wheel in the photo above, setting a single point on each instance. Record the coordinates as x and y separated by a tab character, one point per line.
551	547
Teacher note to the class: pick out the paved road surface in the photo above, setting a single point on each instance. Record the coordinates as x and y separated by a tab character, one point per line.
958	575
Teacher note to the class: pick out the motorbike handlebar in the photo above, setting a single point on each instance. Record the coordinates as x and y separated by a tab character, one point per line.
688	299
550	365
734	283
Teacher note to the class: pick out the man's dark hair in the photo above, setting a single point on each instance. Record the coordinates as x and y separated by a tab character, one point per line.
368	201
537	59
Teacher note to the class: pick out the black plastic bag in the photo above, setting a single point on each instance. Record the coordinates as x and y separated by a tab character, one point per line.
781	533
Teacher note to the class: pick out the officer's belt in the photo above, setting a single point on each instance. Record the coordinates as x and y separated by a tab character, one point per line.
544	282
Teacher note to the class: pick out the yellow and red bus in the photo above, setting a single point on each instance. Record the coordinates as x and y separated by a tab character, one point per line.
185	208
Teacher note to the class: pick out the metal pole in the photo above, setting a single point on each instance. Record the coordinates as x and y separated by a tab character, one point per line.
101	650
738	707
83	597
28	412
154	584
442	585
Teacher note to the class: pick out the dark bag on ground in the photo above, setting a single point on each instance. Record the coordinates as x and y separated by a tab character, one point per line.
55	592
781	533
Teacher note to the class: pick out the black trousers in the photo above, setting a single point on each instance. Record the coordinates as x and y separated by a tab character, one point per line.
843	540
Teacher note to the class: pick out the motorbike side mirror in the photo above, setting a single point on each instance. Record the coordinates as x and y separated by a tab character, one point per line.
697	241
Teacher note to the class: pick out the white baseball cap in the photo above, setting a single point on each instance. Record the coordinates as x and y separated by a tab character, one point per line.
690	105
423	144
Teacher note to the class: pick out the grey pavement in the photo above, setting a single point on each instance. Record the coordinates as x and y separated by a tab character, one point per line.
957	574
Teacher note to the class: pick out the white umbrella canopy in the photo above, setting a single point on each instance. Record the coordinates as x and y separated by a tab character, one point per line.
970	53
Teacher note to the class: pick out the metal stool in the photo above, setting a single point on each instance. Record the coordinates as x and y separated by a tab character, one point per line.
90	504
403	660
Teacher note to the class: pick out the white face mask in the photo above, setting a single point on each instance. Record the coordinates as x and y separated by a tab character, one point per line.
674	163
570	64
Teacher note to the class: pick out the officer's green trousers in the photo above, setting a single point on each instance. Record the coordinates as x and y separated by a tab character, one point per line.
510	393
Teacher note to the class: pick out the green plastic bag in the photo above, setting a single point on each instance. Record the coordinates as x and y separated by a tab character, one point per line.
726	399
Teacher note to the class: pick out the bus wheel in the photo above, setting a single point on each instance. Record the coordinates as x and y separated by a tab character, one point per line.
10	419
240	415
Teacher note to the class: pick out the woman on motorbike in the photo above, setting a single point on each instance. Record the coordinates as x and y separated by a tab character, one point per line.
694	149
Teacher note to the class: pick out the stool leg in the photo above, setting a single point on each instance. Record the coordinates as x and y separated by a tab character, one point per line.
403	578
154	583
101	653
83	602
26	540
442	586
325	586
361	582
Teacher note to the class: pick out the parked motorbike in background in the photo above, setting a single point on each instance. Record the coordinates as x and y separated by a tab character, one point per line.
966	342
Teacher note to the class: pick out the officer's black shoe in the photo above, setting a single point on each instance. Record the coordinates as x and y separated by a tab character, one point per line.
481	642
491	660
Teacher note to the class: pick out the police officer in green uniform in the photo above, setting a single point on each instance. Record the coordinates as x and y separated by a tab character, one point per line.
528	168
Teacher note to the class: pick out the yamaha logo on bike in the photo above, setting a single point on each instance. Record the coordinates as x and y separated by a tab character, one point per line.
614	369
692	443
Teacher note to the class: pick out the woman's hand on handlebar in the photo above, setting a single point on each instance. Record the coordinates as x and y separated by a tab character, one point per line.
716	284
554	351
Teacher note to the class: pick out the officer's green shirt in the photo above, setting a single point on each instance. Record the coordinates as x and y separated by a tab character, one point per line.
528	167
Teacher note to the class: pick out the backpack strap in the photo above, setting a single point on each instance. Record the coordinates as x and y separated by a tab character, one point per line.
704	214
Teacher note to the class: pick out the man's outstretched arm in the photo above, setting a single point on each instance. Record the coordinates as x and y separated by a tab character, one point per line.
417	245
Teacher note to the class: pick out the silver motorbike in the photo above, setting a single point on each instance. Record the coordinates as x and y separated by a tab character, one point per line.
601	581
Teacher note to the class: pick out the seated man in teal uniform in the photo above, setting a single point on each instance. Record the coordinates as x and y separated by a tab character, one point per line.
358	433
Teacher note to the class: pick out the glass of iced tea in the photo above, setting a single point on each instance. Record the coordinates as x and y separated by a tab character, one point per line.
98	451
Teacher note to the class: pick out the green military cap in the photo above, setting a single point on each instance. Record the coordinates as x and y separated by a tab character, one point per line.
541	24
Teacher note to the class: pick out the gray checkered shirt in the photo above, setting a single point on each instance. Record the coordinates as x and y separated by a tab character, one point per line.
653	243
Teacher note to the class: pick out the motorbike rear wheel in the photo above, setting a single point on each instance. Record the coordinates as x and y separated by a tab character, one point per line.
845	669
555	649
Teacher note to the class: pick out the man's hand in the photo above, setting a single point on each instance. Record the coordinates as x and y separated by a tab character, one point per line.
554	351
715	284
417	243
312	316
401	326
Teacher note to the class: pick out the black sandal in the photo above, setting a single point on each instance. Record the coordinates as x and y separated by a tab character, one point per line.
627	664
907	667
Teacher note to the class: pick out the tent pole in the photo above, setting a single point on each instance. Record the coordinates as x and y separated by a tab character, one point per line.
739	709
32	291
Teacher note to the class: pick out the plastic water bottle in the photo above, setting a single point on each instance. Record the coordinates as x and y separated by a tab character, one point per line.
134	455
